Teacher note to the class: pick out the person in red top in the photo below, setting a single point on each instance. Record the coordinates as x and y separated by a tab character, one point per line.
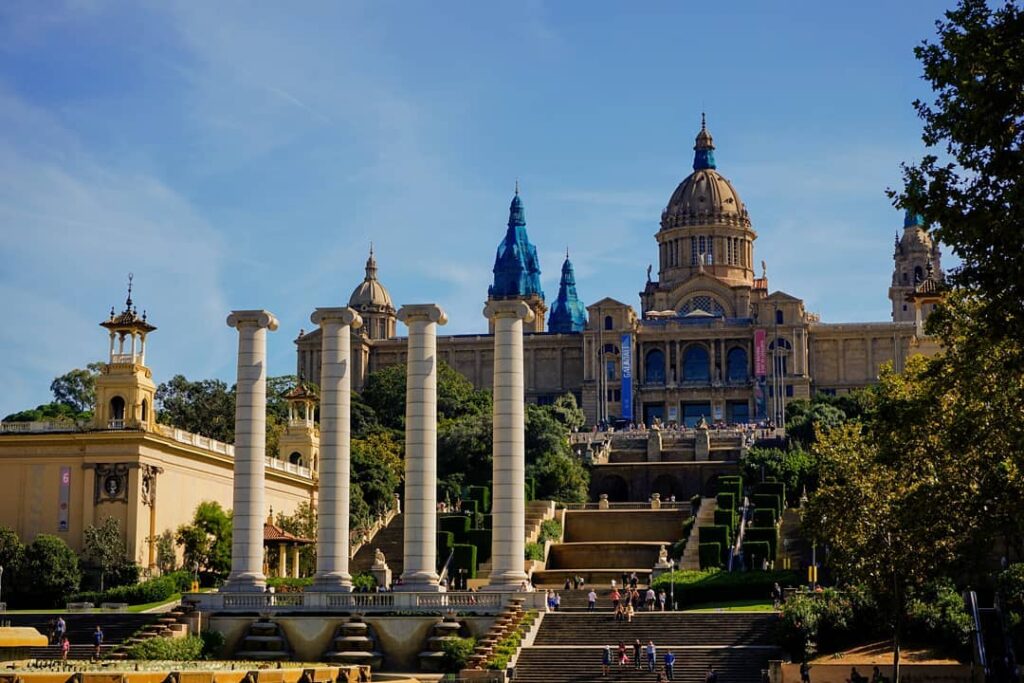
65	646
615	599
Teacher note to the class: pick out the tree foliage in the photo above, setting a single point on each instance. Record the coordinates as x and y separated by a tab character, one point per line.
77	388
204	407
974	194
206	542
384	394
104	547
48	575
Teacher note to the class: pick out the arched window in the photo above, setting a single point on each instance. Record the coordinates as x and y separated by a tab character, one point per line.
702	302
295	458
117	408
654	367
918	274
778	316
695	364
736	364
609	324
906	278
145	410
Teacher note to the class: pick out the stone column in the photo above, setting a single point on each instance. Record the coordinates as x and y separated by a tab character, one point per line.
508	500
332	538
282	560
420	549
295	561
250	451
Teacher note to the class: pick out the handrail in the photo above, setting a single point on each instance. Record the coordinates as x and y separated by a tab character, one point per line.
447	564
971	602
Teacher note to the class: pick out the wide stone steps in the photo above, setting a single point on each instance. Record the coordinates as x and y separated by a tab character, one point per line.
583	664
669	628
391	541
117	628
574	600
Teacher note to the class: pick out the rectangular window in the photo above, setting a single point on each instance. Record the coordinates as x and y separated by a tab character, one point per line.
711	251
789	390
610	369
693	251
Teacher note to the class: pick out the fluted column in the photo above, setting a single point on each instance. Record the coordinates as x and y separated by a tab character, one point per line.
420	551
508	501
250	451
332	538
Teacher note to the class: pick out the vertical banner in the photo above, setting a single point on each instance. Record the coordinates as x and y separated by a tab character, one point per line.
760	370
64	499
627	377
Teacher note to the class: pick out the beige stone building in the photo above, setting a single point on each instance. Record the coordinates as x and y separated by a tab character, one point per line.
59	478
710	337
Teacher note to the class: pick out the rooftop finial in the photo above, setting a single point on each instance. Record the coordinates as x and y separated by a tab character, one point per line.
517	187
567	252
704	147
128	301
371	265
703	121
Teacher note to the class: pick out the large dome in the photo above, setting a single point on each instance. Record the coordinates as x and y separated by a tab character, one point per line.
370	293
705	196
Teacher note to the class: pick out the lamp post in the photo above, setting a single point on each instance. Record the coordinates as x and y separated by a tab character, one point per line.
672	584
1	584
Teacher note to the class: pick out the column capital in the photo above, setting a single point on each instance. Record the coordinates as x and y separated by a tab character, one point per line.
258	318
429	312
508	308
343	314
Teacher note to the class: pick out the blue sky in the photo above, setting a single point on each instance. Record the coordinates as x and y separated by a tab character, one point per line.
243	155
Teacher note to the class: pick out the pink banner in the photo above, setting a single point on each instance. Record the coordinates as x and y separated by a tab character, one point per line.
760	354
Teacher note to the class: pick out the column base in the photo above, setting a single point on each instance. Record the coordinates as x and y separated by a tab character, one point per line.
245	582
420	582
509	582
331	582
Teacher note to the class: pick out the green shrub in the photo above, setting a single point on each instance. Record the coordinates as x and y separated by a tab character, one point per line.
482	495
287	584
733	484
464	558
770	501
764	517
693	587
710	555
755	552
187	649
531	488
768	534
726	518
49	574
213	644
365	581
456	653
155	590
445	541
535	551
771	488
938	615
458	525
550	530
828	622
726	501
695	500
720	534
481	538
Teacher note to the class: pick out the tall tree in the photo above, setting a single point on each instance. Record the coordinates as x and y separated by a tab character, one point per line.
77	388
974	195
204	407
105	547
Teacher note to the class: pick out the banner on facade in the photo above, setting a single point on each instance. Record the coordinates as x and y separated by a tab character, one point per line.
627	377
760	354
64	499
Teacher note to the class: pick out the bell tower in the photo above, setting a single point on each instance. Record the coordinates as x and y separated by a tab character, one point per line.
125	390
300	444
916	258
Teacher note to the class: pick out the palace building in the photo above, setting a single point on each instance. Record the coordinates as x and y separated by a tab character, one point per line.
710	338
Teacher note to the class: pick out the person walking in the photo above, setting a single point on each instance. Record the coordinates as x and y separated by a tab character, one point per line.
623	657
711	676
629	613
670	660
97	642
606	660
591	600
615	599
65	647
661	599
59	629
637	653
652	655
558	602
805	672
650	599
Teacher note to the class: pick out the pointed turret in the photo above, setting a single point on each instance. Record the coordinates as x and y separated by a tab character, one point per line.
516	266
568	313
704	148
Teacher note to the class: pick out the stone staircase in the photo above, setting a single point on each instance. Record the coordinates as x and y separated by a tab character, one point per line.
432	657
705	517
117	629
391	541
506	624
536	512
568	647
793	548
265	641
353	643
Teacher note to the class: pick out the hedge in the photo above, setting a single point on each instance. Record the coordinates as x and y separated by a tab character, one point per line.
764	517
481	538
187	649
710	555
531	489
732	483
720	534
154	590
725	518
482	495
772	489
769	535
770	501
456	524
693	587
726	501
470	508
445	541
464	558
755	552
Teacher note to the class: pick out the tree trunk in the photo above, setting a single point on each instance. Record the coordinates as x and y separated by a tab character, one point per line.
897	632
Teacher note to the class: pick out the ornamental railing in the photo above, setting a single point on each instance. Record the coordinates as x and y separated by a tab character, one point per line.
428	602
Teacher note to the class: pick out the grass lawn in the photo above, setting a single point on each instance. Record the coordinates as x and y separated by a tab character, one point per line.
131	608
733	606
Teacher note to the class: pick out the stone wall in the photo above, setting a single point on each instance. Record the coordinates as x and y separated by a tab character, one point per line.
620	525
637	481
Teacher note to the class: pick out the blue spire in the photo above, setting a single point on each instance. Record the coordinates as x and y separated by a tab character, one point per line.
704	149
516	266
911	219
567	313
